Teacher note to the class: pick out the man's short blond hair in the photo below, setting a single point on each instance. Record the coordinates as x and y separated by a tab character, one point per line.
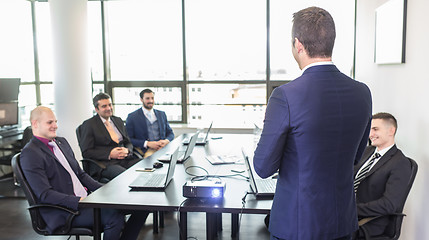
37	112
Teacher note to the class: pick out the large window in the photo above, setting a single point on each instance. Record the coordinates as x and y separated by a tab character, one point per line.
226	40
145	40
283	65
240	105
16	51
167	99
206	60
16	45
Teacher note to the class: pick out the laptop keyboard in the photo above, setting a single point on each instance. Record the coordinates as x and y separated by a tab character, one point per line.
155	180
265	186
10	133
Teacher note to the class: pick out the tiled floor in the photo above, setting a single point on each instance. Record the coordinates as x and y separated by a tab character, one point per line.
15	222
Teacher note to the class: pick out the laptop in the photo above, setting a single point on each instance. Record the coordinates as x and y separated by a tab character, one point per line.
263	188
200	141
224	159
155	181
183	155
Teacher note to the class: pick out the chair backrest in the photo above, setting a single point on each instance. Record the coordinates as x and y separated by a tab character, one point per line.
85	165
393	230
37	221
26	136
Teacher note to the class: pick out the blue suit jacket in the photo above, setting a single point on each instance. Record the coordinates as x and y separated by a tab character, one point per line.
50	181
138	131
316	127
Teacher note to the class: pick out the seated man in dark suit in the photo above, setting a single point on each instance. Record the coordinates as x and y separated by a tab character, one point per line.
148	128
381	177
56	178
104	138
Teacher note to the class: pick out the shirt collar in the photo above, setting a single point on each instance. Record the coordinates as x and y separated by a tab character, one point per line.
317	64
45	141
104	120
384	151
145	111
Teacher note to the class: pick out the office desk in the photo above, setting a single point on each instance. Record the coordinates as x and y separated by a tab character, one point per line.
116	194
7	145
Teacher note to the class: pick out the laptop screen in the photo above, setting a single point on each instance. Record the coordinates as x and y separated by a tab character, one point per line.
172	166
191	145
208	130
249	171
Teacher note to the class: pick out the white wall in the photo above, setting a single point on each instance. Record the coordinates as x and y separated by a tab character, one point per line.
401	89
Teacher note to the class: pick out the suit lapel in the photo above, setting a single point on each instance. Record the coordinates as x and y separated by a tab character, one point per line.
158	119
385	158
48	151
101	128
44	148
142	118
61	145
118	125
366	155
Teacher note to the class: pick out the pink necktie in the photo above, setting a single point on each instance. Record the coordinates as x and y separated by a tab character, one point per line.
112	132
78	188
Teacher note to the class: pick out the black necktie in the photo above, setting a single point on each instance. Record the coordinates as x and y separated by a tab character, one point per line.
365	170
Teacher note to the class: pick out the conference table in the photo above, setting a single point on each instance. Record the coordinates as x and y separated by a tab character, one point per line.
116	194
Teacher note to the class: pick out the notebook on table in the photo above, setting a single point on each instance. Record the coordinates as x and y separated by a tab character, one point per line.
263	188
155	181
200	141
183	156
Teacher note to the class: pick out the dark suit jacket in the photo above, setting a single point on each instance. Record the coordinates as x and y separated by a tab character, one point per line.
96	142
382	190
316	127
138	131
50	181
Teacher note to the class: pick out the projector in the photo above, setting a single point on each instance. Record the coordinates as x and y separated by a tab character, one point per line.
204	189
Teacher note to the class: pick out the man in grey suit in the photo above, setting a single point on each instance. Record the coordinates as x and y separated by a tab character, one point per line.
381	177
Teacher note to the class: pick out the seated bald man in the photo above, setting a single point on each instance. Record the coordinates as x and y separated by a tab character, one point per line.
55	177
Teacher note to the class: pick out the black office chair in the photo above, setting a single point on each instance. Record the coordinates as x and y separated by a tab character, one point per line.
93	167
15	147
37	221
27	135
393	230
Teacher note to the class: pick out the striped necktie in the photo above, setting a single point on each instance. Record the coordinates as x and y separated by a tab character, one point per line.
365	170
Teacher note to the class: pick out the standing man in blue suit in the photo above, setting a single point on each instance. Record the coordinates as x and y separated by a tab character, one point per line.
148	128
55	177
316	127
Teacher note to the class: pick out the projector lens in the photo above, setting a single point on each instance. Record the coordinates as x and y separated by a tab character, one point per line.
215	193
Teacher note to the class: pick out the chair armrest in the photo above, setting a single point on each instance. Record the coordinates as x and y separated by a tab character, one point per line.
364	221
73	214
97	163
54	206
136	153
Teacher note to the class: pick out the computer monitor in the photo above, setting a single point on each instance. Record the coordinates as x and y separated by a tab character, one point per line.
8	113
9	89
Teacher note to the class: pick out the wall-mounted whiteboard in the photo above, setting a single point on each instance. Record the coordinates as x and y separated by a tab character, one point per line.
390	26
